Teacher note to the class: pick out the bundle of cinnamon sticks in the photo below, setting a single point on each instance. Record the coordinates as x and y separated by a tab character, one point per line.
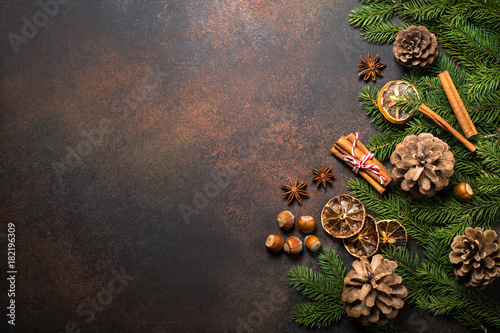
343	147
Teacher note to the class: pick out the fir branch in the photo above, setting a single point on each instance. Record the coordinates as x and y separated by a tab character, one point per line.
325	290
484	307
430	288
382	32
421	10
439	209
444	63
489	184
481	211
377	1
490	155
484	81
383	145
316	314
368	98
480	11
371	14
469	42
392	206
332	267
314	285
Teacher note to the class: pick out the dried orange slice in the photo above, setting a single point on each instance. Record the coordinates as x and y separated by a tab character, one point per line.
392	233
365	243
387	101
343	216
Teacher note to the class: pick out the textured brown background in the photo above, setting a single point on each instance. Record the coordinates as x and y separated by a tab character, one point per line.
253	93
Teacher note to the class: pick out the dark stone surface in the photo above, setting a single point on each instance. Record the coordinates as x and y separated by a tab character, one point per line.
149	138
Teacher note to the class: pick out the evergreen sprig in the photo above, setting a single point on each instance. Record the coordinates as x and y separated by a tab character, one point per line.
323	289
431	287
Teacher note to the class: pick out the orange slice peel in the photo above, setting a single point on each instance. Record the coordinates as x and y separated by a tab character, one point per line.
366	242
388	105
392	234
343	216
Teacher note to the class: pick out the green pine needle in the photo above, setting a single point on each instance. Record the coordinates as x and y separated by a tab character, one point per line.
323	289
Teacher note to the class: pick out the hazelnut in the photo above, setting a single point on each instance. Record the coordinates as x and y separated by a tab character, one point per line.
274	243
285	220
293	245
463	192
306	224
312	243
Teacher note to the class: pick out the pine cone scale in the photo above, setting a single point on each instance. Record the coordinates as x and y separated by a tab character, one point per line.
489	237
370	300
365	290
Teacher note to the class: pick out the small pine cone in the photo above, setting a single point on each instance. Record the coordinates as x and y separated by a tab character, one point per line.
476	257
373	292
423	164
415	47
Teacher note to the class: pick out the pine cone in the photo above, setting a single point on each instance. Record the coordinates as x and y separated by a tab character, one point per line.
476	257
415	47
373	293
423	163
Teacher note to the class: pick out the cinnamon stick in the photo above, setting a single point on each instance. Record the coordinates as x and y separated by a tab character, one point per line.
344	146
444	125
457	105
382	169
376	185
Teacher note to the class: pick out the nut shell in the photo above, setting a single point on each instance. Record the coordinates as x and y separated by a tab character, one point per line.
463	192
312	243
274	243
306	224
293	245
285	220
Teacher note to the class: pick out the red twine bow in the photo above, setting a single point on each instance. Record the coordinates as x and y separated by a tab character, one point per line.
361	164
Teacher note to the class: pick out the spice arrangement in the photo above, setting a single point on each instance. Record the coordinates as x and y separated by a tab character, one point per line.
350	150
446	190
345	217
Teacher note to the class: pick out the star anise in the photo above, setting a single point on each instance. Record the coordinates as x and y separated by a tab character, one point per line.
371	67
294	191
322	175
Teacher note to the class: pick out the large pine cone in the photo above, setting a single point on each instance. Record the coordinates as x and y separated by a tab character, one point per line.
476	257
415	47
373	293
423	163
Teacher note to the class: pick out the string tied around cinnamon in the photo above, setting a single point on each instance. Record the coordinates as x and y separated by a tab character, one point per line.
361	164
